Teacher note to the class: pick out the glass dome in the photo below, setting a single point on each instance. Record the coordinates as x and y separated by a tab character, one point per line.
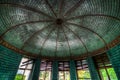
59	29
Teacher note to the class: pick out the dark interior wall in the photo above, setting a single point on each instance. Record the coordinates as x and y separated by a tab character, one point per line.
9	62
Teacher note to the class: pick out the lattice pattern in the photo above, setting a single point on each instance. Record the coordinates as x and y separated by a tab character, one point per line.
59	28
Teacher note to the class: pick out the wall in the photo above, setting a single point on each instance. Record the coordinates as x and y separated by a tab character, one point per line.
9	62
114	56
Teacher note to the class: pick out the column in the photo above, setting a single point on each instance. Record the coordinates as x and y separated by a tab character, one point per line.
55	70
35	70
93	71
73	74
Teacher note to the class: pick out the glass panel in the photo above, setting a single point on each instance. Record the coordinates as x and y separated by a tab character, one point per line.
19	75
67	75
23	60
27	73
83	74
61	75
82	70
48	75
103	74
102	62
42	75
112	73
64	73
29	66
24	69
45	70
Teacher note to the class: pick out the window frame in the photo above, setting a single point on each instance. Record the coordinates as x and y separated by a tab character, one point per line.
102	62
83	66
46	64
64	67
24	66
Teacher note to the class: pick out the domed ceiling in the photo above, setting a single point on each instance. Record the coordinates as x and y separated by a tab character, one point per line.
59	29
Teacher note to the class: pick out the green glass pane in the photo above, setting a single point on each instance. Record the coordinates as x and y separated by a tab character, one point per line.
112	74
103	74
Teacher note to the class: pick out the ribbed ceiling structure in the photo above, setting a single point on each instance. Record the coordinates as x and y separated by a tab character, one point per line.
59	29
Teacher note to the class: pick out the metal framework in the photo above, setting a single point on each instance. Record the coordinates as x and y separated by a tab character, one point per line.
35	34
59	21
26	7
99	51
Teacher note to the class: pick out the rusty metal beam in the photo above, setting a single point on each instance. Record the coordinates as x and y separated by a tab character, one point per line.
61	6
79	39
80	26
26	8
78	4
51	8
93	15
67	42
34	34
57	37
46	40
9	46
83	56
18	25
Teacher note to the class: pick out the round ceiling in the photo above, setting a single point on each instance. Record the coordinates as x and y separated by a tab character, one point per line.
59	29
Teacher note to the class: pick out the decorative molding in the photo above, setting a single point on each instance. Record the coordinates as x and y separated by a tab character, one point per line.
96	52
9	46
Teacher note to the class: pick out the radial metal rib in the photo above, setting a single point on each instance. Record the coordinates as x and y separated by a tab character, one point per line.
34	34
18	25
78	38
80	26
46	40
26	7
87	15
61	6
78	4
51	8
56	41
67	43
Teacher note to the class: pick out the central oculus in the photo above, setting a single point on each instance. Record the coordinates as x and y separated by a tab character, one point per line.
59	21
